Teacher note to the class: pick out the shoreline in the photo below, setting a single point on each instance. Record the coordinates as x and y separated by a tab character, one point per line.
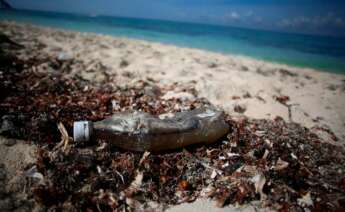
287	62
143	41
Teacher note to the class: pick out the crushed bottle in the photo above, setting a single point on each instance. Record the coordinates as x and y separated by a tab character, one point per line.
139	131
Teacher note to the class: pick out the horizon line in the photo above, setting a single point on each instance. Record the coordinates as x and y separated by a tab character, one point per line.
91	15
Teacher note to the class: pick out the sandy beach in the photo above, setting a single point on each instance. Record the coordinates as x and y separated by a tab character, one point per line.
317	98
238	85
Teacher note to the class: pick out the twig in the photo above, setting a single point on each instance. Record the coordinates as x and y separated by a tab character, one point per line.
122	179
136	183
289	109
64	136
145	155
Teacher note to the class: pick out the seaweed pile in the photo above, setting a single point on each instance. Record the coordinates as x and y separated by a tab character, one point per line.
281	164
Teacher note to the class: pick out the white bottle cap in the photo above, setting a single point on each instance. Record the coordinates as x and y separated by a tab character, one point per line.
82	131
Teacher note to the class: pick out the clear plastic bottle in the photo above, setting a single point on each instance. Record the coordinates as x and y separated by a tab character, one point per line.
140	131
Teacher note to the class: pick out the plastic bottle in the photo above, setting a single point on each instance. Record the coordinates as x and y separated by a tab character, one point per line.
140	131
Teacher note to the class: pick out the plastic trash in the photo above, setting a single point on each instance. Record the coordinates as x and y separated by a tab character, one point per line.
141	131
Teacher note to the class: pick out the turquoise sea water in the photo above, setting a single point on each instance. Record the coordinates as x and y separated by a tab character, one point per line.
319	52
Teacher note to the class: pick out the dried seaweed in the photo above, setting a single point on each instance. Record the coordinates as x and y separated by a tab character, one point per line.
87	177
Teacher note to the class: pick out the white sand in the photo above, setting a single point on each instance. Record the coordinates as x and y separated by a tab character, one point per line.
319	96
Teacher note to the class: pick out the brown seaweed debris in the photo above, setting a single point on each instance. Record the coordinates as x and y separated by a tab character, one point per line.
282	164
282	99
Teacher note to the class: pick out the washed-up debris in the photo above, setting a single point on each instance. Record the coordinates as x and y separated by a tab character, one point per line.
183	96
64	56
240	108
280	165
140	131
285	73
259	181
284	165
324	129
32	173
247	95
212	65
282	99
124	63
305	200
182	176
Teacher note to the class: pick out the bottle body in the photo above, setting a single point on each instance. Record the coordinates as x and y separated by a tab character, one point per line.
143	132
